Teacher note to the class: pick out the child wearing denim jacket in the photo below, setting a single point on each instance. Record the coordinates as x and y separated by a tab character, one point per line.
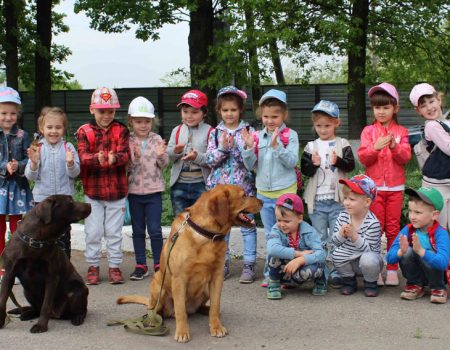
224	156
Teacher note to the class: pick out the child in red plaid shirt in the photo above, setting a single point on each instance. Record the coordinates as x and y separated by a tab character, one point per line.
103	147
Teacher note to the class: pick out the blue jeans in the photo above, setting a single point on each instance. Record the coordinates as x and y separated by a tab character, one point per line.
184	195
417	271
249	239
324	217
268	219
145	212
303	274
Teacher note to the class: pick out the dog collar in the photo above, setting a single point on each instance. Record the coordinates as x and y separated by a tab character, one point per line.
213	236
35	243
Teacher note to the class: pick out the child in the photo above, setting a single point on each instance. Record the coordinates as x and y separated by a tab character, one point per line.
53	165
224	156
356	239
145	184
103	147
273	161
436	170
294	249
422	247
326	160
15	194
384	151
187	150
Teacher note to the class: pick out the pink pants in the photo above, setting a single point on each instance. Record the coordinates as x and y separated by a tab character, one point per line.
387	207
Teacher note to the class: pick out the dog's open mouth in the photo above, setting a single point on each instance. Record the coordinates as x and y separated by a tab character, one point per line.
246	220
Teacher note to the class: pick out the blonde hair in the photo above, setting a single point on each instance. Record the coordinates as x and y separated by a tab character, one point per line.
52	112
272	102
155	122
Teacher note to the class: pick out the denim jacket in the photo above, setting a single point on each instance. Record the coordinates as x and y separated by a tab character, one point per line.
278	244
274	167
14	146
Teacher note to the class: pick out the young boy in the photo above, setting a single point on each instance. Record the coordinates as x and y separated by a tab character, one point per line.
187	150
356	239
294	251
422	247
103	149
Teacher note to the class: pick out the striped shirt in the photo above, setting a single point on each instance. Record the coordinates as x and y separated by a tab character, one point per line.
368	241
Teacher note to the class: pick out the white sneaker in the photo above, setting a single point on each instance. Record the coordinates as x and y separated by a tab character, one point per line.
392	278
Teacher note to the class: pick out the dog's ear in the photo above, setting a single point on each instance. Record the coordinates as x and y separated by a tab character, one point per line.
44	211
219	207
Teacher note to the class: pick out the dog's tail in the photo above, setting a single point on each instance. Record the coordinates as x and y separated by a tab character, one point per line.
133	299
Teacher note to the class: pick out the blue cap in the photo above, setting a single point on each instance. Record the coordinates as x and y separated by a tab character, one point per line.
8	94
272	93
327	107
232	90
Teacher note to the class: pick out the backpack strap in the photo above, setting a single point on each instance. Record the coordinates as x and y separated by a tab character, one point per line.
177	134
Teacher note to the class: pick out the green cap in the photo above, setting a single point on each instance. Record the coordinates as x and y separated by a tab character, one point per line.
429	195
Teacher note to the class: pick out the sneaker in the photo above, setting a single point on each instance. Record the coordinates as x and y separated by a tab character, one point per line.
438	296
371	289
115	276
349	285
320	286
93	275
265	282
392	278
248	274
273	290
380	280
156	267
336	282
226	270
412	292
140	271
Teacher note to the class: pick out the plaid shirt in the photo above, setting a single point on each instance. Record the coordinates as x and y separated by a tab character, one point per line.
104	182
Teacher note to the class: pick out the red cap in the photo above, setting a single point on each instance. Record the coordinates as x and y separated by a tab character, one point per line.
194	98
292	202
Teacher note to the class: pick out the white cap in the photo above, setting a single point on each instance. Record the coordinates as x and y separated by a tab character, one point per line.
141	107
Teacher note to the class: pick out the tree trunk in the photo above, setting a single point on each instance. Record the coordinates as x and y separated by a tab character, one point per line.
357	68
43	80
273	49
11	10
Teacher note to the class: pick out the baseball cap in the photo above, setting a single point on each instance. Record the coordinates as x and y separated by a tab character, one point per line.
233	91
103	98
194	98
386	87
420	90
272	93
429	195
327	107
361	184
141	107
291	201
8	94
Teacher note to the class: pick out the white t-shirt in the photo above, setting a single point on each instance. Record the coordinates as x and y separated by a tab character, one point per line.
326	179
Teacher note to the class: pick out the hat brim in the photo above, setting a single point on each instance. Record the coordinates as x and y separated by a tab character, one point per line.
354	187
264	98
191	103
239	93
142	115
103	106
11	100
413	193
377	88
326	112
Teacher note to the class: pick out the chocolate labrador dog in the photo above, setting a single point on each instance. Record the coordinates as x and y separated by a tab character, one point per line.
51	284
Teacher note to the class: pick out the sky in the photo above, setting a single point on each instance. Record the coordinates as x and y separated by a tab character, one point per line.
120	60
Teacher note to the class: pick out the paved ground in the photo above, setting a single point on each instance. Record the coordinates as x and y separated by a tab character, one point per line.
298	321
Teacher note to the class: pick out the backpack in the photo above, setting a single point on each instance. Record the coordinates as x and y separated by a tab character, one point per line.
284	138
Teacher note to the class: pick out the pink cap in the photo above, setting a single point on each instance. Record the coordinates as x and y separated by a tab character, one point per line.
292	202
386	87
194	98
420	90
103	98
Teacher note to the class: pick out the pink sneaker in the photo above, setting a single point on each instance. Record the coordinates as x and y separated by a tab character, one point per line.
392	278
380	280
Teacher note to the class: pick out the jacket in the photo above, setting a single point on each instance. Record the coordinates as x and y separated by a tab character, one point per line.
387	166
53	176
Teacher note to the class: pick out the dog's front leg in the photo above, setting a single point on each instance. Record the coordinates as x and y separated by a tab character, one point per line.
51	285
179	301
5	291
216	329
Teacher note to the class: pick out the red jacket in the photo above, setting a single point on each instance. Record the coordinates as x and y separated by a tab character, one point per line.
387	166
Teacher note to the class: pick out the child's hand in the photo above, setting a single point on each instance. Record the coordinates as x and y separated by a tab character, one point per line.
333	159
404	245
33	155
294	265
230	141
137	152
274	142
69	158
111	158
101	157
192	155
248	138
316	159
417	247
161	148
179	148
12	166
382	142
392	144
352	233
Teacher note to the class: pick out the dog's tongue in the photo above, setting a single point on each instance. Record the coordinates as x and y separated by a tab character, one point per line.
245	218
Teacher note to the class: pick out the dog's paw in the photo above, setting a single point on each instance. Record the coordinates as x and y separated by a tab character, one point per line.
78	319
182	337
38	328
218	331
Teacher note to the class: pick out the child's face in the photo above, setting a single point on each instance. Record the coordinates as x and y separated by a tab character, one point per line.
8	116
421	214
191	116
104	116
273	117
385	114
53	129
326	127
430	108
356	204
141	126
230	113
288	223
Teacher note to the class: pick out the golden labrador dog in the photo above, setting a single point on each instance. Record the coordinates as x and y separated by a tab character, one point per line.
194	270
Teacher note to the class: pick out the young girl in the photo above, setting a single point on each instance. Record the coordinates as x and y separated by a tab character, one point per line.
145	184
273	161
224	156
294	249
384	151
436	170
53	164
15	194
187	150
